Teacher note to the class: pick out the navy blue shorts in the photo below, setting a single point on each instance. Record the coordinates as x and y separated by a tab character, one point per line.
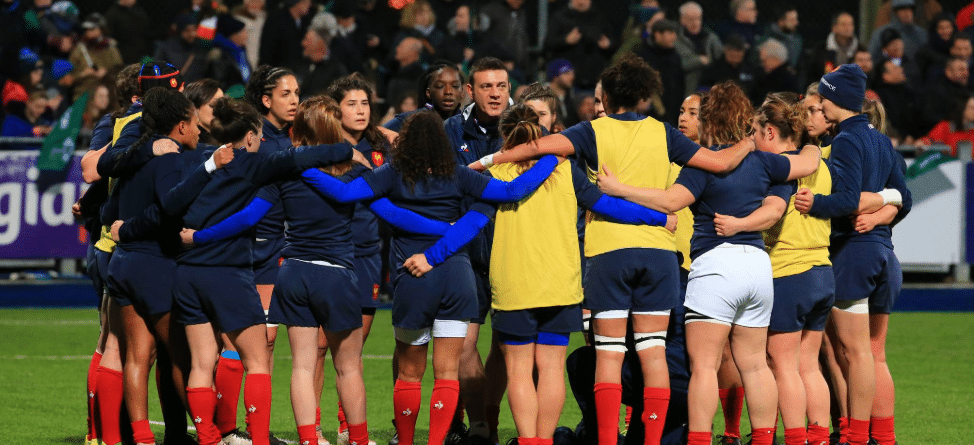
803	301
867	270
311	295
224	296
141	280
484	295
530	322
368	270
643	280
98	269
445	293
267	260
581	253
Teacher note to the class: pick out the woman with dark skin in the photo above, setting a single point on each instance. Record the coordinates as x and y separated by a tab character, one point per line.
440	90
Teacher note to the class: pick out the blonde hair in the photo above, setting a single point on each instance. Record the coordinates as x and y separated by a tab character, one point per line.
785	113
873	108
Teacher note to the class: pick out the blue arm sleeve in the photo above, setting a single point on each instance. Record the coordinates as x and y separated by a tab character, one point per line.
522	186
407	220
624	211
459	234
234	224
335	189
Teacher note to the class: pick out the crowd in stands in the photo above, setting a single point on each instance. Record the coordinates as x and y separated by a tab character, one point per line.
918	58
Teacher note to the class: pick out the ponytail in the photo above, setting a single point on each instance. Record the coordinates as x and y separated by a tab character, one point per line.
232	119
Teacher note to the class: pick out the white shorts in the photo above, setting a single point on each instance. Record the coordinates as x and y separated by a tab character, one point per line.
733	284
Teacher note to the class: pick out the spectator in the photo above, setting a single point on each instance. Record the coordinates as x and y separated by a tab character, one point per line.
419	21
941	93
961	47
778	75
252	14
839	48
280	40
406	79
660	53
30	119
228	62
580	33
785	30
732	65
98	104
128	23
925	12
561	79
913	36
864	59
586	108
465	36
182	51
697	46
959	127
935	52
509	26
743	22
94	57
30	70
638	26
57	26
894	49
899	97
319	69
12	39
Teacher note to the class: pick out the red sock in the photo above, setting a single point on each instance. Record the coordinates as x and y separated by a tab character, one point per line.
527	441
883	430
108	401
795	436
257	399
628	415
818	435
90	393
655	403
229	374
202	405
493	417
733	405
307	435
342	423
858	432
541	441
762	436
442	402
608	398
405	400
318	418
141	433
698	438
358	434
843	429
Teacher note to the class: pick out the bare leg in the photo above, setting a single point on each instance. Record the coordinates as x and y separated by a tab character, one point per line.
749	346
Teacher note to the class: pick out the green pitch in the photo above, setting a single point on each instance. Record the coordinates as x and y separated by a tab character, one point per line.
44	355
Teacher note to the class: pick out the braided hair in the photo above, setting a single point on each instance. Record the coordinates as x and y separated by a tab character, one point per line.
262	83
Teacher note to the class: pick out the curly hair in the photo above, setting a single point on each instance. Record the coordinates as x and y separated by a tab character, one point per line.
422	149
319	121
628	81
725	113
262	83
126	86
355	82
787	114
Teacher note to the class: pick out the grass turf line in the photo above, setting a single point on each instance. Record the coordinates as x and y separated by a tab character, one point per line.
930	355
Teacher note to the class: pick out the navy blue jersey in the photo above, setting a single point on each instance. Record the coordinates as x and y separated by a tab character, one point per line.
235	185
274	139
862	160
365	225
318	229
101	135
737	194
437	198
582	135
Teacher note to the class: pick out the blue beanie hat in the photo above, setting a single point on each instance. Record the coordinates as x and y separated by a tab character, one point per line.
846	86
60	68
558	67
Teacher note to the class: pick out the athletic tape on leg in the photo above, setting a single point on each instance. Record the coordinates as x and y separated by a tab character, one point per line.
645	340
612	344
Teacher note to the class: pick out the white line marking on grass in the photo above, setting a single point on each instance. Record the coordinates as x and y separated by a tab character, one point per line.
88	357
48	322
192	428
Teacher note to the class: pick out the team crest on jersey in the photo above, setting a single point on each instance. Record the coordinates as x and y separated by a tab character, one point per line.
172	82
375	292
377	158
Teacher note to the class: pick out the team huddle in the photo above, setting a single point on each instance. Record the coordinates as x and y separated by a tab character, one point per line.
758	269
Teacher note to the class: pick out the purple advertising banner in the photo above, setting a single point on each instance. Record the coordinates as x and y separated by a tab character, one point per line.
39	225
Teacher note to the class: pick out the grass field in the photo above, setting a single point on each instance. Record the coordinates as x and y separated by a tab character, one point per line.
44	355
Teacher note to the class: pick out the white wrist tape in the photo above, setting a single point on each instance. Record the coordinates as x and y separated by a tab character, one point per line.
891	196
210	165
487	161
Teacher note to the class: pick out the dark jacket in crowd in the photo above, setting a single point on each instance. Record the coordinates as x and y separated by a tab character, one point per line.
780	79
510	28
588	59
744	74
317	77
130	28
191	59
280	41
669	65
940	96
